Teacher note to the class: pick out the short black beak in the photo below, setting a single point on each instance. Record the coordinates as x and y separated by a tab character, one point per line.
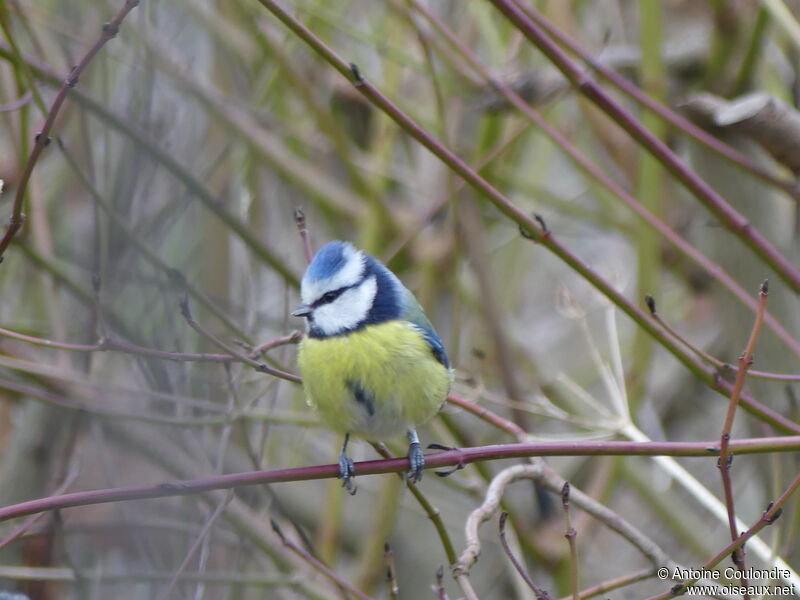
302	311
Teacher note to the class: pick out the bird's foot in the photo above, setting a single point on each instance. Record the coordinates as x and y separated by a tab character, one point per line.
416	462
347	472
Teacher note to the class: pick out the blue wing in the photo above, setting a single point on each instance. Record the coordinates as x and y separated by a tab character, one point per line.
436	345
413	312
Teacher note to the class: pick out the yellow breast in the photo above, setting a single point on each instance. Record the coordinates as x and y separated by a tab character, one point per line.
375	382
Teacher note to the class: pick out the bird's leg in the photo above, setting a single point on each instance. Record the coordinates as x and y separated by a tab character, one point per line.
416	460
347	470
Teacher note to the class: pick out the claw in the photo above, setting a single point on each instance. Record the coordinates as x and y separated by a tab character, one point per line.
449	472
436	446
460	465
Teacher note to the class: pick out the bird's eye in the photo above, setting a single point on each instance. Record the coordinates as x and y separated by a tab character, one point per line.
330	296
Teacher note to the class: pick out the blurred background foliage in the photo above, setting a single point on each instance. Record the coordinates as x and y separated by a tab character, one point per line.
177	164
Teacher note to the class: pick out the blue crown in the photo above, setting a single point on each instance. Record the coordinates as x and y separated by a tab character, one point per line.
328	260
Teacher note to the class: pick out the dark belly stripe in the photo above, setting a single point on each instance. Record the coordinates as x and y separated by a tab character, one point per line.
362	397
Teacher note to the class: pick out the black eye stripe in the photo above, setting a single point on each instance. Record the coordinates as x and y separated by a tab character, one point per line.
329	297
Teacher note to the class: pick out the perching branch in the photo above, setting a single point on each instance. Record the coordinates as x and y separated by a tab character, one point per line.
458	456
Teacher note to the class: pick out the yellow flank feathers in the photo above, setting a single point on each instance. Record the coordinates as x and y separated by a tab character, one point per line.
375	382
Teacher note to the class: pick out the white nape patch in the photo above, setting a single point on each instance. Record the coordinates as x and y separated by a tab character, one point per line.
348	310
348	275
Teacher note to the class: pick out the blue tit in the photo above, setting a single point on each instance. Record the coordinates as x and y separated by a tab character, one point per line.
371	362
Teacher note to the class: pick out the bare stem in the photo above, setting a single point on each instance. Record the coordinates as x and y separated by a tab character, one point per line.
109	344
724	463
613	584
768	517
300	221
439	587
196	545
317	564
391	573
42	138
540	593
263	367
430	510
712	360
570	534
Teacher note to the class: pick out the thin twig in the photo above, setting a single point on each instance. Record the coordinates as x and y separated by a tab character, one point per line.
391	573
570	534
431	511
106	344
68	403
613	584
487	415
300	221
540	593
42	138
316	563
713	360
439	587
768	517
201	536
292	338
724	462
545	475
71	476
258	366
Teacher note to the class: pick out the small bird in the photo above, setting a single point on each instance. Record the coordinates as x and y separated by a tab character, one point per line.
371	362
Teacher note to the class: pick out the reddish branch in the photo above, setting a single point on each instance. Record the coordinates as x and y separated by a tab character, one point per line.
453	457
745	360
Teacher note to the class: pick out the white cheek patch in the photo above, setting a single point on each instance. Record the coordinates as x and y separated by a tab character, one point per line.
348	310
348	275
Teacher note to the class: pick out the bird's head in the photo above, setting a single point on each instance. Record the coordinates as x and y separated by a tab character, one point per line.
344	289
